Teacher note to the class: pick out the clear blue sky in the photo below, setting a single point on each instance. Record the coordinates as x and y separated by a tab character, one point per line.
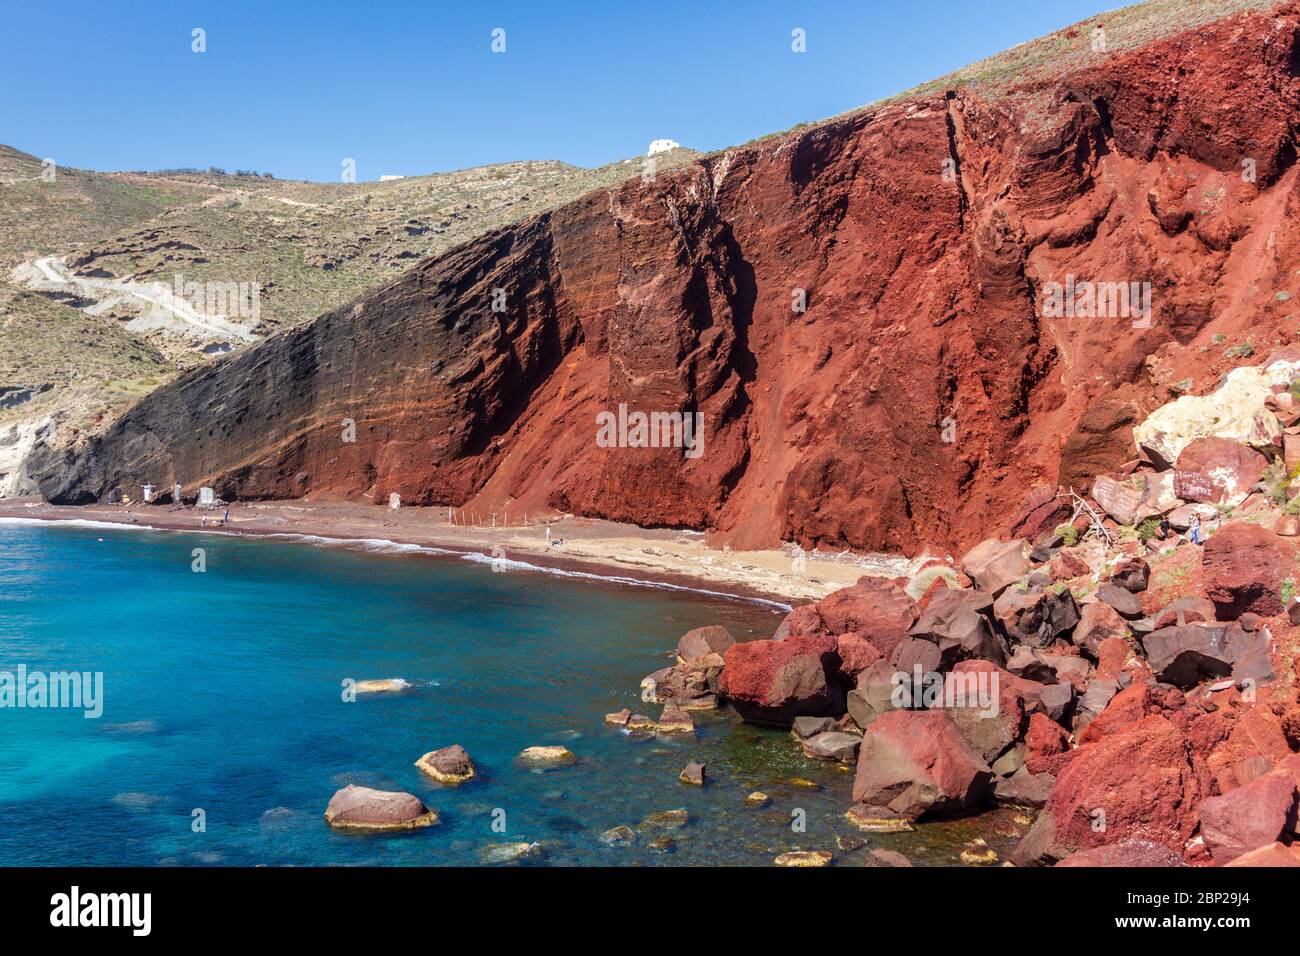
293	88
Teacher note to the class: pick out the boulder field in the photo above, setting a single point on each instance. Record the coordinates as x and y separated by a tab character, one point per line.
1134	689
859	310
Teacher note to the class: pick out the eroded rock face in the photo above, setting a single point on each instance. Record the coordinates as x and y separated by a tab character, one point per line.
821	427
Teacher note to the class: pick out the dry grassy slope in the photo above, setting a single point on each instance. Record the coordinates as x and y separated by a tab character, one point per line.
39	217
93	366
313	246
310	246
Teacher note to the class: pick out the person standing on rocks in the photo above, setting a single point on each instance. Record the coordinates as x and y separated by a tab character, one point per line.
1194	532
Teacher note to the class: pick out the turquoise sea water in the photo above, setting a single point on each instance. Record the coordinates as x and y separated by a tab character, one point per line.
222	692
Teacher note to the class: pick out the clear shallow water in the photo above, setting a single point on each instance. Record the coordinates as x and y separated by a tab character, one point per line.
222	692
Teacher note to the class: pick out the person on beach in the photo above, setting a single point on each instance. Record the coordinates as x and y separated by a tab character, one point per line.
225	518
1194	532
203	522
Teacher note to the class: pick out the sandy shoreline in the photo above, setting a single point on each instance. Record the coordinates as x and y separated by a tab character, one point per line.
680	558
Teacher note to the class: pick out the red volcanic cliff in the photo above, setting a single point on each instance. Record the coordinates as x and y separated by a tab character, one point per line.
923	234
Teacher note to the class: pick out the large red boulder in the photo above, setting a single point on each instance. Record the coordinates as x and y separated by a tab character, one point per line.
875	608
702	641
955	620
1124	709
993	564
1249	817
801	622
773	682
856	655
1244	567
1034	616
916	762
1040	511
1275	854
1046	743
1217	470
1098	621
989	705
1137	784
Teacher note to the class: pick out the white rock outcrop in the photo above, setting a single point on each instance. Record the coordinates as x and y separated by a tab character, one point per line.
1233	410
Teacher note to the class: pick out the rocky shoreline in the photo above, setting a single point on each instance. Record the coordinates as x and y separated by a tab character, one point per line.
1132	686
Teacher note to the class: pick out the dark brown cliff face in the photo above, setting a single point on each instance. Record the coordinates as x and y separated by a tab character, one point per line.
920	394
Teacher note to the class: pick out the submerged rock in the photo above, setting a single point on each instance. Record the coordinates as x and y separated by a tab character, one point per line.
693	774
553	756
364	809
667	819
833	745
804	858
618	836
978	853
875	819
887	858
506	853
674	720
388	685
757	799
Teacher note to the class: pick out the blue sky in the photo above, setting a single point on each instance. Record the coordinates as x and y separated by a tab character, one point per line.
294	88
